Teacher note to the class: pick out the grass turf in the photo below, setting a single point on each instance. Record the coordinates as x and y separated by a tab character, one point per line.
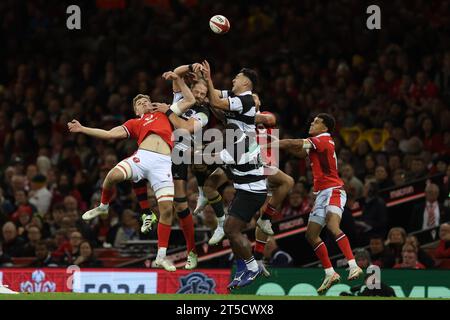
106	296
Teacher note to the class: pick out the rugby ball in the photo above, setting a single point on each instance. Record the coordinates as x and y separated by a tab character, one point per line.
219	24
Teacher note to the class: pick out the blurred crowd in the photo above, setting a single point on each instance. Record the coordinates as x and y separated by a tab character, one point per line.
389	90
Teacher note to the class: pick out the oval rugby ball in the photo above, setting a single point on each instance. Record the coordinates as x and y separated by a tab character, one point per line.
219	24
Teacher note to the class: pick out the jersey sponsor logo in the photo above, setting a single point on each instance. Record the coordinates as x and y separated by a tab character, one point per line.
149	119
197	282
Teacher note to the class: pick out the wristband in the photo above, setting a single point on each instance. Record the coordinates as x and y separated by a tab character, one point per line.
176	109
168	112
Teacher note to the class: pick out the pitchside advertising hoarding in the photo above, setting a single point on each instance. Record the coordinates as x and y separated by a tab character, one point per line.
283	282
303	282
116	280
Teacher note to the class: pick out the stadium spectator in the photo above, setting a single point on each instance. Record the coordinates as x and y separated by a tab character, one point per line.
422	256
374	213
68	251
21	199
443	249
13	245
64	192
382	178
86	258
429	213
417	169
34	236
43	256
352	184
22	218
129	228
55	220
409	258
395	240
298	204
104	231
39	195
379	255
362	258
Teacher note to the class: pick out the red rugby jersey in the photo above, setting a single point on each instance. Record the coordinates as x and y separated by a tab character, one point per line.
156	123
324	162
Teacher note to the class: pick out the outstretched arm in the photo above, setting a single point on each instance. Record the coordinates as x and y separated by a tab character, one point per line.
215	99
296	147
115	133
266	119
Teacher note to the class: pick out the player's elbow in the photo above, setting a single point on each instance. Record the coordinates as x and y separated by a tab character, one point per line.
220	104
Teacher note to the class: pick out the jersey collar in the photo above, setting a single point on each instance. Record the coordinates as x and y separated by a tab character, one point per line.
245	93
325	134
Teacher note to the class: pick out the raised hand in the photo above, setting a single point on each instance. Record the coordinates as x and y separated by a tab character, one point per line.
74	126
170	75
206	70
196	67
160	107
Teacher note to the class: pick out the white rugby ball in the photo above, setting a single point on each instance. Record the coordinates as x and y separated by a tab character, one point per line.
219	24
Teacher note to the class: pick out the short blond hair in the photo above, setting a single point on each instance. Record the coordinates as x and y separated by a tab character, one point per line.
140	96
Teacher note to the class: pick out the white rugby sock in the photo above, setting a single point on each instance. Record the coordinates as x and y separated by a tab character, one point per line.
251	264
201	194
162	253
220	221
329	271
352	263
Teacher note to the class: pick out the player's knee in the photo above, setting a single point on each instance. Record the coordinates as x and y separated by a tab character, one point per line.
114	176
179	206
334	229
165	209
311	238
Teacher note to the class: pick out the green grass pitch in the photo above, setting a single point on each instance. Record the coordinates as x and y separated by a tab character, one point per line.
228	297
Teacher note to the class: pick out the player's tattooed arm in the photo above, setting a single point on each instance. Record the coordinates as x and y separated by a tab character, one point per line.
115	133
214	96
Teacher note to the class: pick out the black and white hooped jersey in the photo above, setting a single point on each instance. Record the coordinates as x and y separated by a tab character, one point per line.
245	169
198	112
242	110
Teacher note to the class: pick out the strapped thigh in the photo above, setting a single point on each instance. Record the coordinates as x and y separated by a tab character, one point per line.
125	168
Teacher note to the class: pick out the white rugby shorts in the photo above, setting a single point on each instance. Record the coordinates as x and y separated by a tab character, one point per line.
328	200
156	168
